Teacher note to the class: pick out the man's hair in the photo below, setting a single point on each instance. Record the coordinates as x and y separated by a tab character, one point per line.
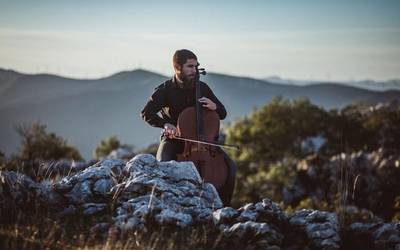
181	56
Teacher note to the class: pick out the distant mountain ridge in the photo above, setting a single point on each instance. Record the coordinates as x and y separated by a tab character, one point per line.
85	111
393	84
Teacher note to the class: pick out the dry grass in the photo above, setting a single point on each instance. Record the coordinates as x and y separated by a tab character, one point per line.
41	232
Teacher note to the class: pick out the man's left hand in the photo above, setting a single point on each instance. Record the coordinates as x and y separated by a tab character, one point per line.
207	103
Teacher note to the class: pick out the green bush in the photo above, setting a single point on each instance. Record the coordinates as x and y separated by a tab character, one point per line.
275	130
38	144
274	133
106	146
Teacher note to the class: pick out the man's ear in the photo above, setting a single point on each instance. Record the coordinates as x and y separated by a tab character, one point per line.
178	68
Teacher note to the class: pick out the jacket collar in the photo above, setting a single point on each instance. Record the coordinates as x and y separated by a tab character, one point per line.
176	84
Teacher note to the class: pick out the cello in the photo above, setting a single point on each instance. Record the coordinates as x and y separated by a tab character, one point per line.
199	128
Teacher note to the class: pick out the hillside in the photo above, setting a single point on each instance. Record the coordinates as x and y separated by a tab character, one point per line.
86	111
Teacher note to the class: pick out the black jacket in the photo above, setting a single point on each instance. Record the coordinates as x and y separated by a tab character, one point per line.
171	99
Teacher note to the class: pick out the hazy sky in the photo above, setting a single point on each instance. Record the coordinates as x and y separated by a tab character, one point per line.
329	40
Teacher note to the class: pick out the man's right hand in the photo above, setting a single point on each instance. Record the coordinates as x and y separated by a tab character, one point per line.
170	130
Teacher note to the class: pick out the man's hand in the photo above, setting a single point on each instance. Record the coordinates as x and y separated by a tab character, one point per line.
207	103
170	130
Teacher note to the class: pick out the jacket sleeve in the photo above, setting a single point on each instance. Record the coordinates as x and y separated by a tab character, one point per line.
155	103
221	111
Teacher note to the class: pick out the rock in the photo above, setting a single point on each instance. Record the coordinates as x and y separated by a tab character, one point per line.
93	208
271	212
47	195
68	211
103	186
181	172
321	228
139	162
375	235
249	232
369	179
169	217
200	215
387	236
140	206
63	186
364	227
247	215
97	179
226	215
144	194
170	192
20	188
81	193
101	170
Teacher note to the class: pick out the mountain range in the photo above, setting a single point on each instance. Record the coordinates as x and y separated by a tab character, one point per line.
86	111
393	84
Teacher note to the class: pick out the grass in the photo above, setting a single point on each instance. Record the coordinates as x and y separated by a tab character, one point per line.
39	231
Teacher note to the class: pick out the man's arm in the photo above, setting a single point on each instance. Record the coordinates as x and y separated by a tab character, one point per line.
221	111
153	106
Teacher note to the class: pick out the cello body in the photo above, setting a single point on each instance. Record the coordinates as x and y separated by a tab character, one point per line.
209	160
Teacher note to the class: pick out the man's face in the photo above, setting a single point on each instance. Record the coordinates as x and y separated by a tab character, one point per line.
188	70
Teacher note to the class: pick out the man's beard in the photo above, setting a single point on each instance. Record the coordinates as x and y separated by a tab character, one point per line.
187	82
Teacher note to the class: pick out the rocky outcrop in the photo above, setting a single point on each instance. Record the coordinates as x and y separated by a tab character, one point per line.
170	193
373	236
317	229
366	180
143	194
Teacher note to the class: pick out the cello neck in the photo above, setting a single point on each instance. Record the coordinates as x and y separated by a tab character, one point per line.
199	110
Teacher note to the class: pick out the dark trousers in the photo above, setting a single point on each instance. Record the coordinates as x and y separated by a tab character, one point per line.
169	149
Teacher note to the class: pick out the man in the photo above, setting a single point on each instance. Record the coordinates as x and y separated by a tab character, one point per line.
171	98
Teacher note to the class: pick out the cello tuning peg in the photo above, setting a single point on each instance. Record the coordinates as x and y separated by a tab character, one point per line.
202	71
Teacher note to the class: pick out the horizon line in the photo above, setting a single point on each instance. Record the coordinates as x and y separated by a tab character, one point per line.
266	78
